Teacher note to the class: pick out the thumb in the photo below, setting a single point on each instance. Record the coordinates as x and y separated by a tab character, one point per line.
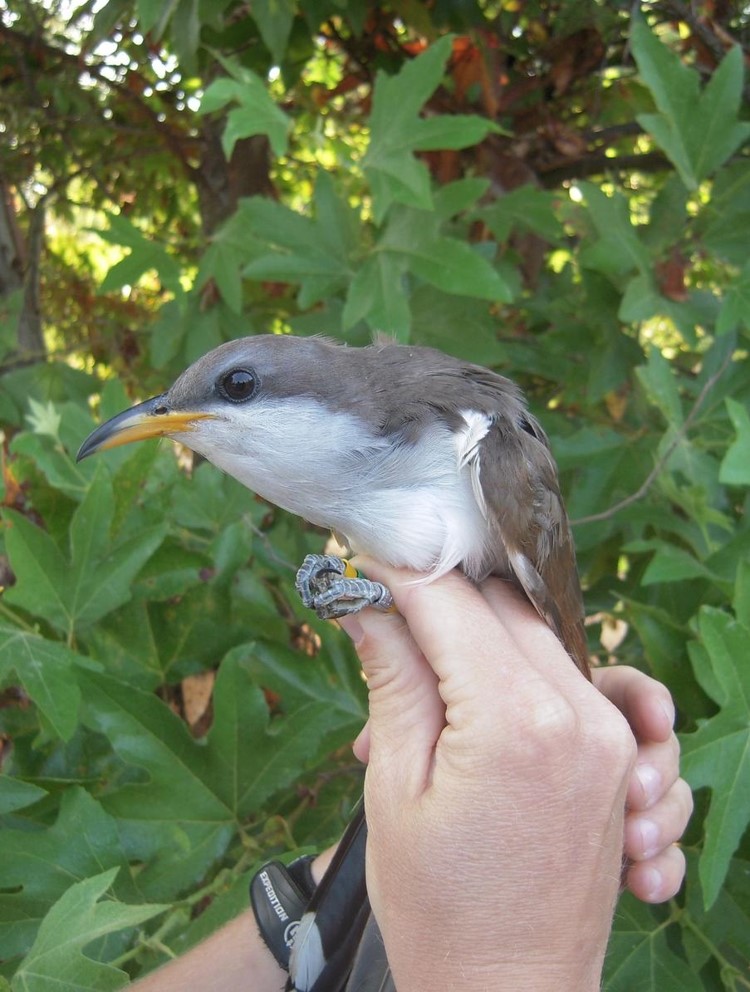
407	714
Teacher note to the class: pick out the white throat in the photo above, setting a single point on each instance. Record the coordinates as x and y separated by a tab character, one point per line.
416	505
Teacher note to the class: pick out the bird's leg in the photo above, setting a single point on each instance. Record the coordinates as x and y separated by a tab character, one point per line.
334	588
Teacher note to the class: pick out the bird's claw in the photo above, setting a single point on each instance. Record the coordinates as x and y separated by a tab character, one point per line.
333	588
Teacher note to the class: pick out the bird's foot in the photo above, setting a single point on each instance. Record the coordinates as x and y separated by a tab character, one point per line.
334	588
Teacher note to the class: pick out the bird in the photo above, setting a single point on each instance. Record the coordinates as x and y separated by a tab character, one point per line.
408	455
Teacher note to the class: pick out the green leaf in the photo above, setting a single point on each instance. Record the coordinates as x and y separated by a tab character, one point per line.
54	458
618	249
186	32
660	386
38	864
735	467
204	788
154	15
377	294
673	564
435	316
274	19
527	208
332	683
412	242
256	118
145	255
697	130
98	576
40	568
256	112
448	263
15	794
44	418
726	925
735	309
459	196
397	131
450	131
717	755
315	252
45	669
741	600
56	959
639	956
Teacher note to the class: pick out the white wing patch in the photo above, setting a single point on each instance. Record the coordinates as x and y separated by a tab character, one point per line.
467	449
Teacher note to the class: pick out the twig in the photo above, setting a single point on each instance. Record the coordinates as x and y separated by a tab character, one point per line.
661	463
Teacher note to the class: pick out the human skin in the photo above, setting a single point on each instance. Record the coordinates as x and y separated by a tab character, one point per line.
395	661
496	792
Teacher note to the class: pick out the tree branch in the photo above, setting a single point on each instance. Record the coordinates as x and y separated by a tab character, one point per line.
661	462
598	164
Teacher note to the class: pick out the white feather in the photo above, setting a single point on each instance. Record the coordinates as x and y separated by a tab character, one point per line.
469	451
410	505
307	959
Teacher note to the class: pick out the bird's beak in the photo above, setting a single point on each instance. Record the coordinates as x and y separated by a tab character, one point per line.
153	418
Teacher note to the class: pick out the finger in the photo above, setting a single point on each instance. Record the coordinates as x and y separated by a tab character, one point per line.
656	770
645	703
406	711
647	834
539	642
449	620
361	745
659	878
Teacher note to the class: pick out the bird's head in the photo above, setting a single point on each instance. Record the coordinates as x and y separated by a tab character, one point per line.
212	390
272	411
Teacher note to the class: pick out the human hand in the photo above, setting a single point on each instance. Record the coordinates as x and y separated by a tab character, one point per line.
495	792
659	802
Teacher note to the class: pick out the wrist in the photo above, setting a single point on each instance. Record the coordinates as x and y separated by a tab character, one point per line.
518	976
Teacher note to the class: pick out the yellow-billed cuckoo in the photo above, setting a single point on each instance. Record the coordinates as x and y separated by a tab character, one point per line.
410	456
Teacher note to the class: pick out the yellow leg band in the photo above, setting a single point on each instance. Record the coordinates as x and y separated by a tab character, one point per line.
350	572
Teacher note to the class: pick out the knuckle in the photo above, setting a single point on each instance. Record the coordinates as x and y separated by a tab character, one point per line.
553	720
614	740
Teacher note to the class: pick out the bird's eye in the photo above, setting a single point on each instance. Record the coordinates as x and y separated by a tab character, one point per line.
238	385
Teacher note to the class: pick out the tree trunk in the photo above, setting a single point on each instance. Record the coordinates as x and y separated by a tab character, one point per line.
19	272
220	183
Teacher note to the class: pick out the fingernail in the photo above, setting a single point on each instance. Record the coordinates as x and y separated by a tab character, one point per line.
352	628
654	882
649	780
668	707
650	841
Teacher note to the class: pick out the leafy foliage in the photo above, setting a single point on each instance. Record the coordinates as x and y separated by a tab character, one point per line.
559	191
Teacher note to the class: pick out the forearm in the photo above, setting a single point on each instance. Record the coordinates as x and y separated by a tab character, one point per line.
231	960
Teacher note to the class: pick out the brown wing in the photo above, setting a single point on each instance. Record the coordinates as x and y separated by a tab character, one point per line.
525	510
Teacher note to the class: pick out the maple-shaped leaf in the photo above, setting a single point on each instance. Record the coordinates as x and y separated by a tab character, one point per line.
57	960
255	111
45	670
196	793
639	956
397	131
412	241
717	755
35	873
697	129
315	252
146	255
76	589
